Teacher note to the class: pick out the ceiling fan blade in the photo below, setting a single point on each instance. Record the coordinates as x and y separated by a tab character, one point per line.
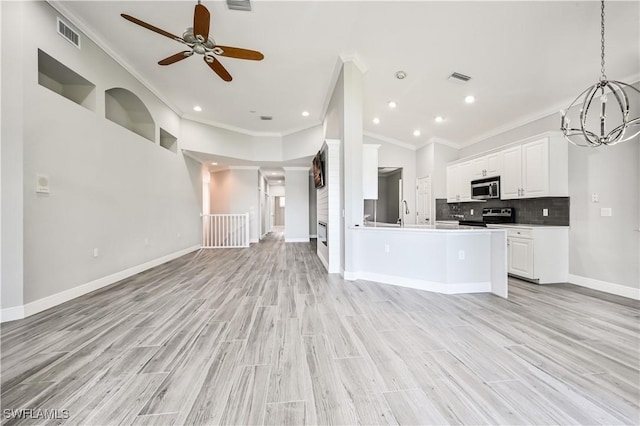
150	27
217	67
236	52
201	19
175	58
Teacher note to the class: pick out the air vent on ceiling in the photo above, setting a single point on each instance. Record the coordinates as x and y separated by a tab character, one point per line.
456	77
266	118
239	5
70	35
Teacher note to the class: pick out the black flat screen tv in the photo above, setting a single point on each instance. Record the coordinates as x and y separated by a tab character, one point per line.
318	170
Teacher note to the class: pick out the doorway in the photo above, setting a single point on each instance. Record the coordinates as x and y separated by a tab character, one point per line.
278	209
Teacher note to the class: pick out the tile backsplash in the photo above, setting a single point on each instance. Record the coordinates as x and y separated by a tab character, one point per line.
527	210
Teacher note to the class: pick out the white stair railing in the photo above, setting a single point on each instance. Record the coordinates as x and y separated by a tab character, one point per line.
225	230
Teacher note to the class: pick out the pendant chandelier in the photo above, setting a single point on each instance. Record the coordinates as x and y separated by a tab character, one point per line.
609	91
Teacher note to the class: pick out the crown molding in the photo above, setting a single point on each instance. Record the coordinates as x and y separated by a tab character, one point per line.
440	141
390	140
357	61
297	169
635	78
98	41
244	167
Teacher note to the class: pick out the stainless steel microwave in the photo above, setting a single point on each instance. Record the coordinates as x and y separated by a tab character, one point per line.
485	189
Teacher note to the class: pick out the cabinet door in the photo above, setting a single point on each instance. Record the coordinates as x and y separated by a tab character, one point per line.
511	175
370	172
479	168
520	256
452	183
465	171
535	168
493	165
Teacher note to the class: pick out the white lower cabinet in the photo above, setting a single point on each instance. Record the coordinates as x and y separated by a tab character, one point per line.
520	256
538	253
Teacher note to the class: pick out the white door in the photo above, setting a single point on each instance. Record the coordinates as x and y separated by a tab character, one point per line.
520	256
535	168
423	201
511	177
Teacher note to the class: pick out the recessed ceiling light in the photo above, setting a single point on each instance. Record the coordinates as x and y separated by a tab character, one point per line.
416	132
197	108
376	120
279	181
392	104
439	119
470	99
401	75
273	173
305	113
214	164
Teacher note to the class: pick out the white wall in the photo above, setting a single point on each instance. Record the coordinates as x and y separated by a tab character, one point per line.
110	188
296	209
603	251
432	160
276	190
235	191
11	156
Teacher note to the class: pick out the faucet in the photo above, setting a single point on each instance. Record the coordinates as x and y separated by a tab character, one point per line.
405	211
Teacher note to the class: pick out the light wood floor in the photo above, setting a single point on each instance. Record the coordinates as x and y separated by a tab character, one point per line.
265	336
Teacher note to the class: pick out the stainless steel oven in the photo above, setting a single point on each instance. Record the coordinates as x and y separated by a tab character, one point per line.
485	189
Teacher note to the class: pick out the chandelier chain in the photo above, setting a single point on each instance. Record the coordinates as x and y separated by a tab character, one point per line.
603	76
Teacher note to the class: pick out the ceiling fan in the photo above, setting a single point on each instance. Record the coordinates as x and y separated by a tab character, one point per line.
197	38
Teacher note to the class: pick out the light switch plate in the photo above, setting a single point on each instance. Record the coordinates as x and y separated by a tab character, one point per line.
545	212
594	197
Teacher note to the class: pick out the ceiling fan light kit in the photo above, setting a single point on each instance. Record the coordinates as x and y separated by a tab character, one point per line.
604	88
197	38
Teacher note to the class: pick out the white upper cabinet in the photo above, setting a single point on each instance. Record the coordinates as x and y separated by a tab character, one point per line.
531	169
370	171
459	177
489	165
538	168
511	177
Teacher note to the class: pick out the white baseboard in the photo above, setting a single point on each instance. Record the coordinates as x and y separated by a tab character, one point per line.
48	302
296	240
349	275
12	314
607	287
438	287
254	241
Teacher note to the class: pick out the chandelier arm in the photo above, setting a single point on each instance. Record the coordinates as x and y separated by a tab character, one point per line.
618	133
583	116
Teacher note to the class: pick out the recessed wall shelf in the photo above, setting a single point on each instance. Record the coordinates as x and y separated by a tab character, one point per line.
168	141
58	78
126	109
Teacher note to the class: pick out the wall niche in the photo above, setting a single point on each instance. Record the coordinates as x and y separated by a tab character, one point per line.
168	141
126	109
62	80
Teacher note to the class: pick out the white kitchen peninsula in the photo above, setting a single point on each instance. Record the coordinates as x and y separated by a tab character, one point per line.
447	259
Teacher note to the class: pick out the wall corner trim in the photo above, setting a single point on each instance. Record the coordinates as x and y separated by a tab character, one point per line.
19	312
607	287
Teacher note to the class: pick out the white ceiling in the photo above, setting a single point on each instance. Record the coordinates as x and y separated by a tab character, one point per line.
526	59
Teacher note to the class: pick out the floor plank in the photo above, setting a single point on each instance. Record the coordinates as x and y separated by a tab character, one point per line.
265	336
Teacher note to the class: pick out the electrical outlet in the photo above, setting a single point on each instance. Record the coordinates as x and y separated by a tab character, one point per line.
387	249
95	252
471	212
146	241
545	212
179	235
460	254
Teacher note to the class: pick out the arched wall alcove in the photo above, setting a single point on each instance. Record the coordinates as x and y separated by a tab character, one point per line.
126	109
